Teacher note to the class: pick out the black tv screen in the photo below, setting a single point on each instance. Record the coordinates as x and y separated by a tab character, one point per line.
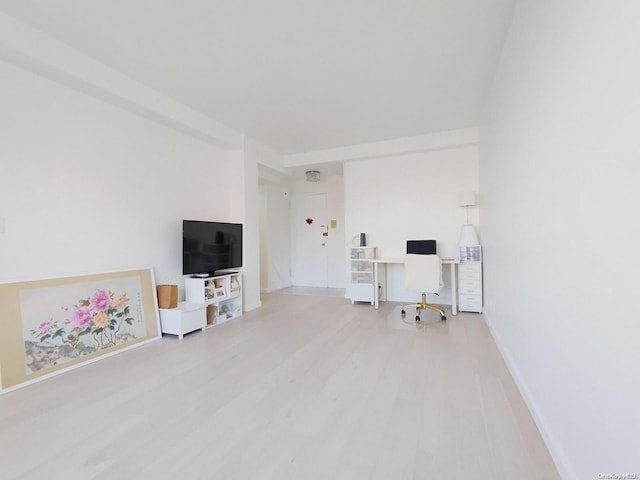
421	247
208	247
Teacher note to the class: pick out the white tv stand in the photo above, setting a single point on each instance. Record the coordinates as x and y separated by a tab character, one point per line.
222	294
187	317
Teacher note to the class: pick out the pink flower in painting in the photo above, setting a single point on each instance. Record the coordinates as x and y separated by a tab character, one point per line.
80	317
100	301
43	327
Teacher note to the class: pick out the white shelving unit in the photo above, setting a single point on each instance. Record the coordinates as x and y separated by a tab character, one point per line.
470	279
361	288
222	295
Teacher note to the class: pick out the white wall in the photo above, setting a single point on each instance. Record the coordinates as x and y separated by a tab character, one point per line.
89	187
243	201
275	237
410	197
72	120
559	179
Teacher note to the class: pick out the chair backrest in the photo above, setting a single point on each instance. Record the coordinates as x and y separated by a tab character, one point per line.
423	272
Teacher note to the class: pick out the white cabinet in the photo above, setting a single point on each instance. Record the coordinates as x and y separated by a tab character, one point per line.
470	280
361	288
222	296
186	318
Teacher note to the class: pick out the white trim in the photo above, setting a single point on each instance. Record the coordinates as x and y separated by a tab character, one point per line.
555	449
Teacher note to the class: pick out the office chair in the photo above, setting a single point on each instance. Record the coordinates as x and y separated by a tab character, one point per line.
423	272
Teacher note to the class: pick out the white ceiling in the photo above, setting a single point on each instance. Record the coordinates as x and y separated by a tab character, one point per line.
297	75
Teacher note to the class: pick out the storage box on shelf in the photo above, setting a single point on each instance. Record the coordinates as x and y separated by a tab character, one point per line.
222	295
185	318
361	288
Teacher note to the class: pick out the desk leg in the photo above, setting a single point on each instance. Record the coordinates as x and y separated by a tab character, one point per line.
375	286
454	290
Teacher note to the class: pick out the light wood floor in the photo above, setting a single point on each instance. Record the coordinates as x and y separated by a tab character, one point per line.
305	387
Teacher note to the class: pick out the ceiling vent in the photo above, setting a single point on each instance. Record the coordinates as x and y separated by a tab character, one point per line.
312	175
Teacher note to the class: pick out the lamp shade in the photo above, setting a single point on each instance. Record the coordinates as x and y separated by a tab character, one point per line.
466	199
468	236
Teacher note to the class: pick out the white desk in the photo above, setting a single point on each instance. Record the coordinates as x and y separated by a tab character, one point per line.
452	262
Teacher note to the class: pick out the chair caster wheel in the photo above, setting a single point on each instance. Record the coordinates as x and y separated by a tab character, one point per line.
403	313
417	318
443	318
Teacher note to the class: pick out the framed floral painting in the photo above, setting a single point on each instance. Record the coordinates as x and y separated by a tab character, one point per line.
50	326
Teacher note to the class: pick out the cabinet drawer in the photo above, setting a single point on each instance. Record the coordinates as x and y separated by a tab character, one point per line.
363	253
194	320
470	299
361	292
362	277
470	303
471	308
471	289
184	319
361	266
470	276
470	282
470	267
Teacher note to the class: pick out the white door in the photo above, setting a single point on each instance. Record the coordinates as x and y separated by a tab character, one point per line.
310	228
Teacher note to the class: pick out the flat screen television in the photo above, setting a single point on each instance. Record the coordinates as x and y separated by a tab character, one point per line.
208	247
421	247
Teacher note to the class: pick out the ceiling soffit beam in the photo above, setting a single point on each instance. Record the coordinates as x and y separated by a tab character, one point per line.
387	148
31	50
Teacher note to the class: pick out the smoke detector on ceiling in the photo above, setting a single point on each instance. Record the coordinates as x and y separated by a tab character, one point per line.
312	175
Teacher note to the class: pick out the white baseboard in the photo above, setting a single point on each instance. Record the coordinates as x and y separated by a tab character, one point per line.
555	449
253	306
271	289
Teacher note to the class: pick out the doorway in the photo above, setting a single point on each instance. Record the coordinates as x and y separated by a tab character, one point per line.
309	252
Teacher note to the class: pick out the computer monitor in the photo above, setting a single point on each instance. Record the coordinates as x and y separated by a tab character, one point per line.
421	247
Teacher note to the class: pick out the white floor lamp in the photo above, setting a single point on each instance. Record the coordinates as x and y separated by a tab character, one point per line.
468	234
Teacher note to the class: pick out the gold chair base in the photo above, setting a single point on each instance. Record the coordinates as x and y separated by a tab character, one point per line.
423	305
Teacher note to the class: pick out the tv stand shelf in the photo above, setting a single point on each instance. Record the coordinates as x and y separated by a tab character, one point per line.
222	294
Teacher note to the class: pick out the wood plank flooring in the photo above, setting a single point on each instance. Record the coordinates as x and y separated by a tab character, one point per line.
305	387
